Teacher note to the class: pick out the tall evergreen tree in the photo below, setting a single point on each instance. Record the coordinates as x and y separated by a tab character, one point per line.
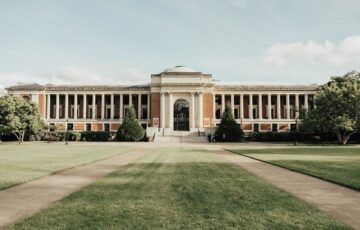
18	117
130	130
229	130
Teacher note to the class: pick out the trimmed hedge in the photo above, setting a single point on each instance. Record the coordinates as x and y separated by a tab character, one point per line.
60	135
97	136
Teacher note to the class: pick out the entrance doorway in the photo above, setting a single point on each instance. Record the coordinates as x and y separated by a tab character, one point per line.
181	115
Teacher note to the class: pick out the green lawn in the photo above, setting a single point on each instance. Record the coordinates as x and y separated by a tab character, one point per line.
21	163
337	164
180	189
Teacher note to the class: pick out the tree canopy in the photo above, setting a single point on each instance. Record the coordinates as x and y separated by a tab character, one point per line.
229	130
130	130
17	116
337	107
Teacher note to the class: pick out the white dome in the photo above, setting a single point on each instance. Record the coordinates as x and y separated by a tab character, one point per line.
180	69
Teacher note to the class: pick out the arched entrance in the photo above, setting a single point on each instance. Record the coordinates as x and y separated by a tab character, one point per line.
181	115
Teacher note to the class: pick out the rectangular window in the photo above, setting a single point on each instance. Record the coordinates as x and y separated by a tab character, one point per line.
292	127
52	127
218	113
274	127
107	127
144	113
256	127
88	126
70	126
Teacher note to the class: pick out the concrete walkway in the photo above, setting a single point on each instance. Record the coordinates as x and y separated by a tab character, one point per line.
340	202
28	198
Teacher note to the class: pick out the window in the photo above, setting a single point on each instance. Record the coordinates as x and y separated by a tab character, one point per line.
144	113
107	127
256	127
88	126
52	127
274	127
70	126
293	127
218	113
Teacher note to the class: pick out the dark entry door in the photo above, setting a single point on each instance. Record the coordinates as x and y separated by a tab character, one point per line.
181	115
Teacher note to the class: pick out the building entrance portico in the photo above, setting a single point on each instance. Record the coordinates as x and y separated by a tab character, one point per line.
181	115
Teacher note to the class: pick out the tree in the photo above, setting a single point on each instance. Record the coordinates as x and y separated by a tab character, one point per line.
130	130
337	107
19	117
228	130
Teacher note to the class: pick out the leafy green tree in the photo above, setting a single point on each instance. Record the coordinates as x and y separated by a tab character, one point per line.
337	107
229	130
17	116
130	130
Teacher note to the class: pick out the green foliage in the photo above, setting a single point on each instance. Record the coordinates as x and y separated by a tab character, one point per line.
229	130
130	129
337	107
19	117
60	135
96	135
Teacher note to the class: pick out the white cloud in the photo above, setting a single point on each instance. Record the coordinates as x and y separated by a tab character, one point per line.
72	75
345	52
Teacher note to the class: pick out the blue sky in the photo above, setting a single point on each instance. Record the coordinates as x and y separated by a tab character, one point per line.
250	41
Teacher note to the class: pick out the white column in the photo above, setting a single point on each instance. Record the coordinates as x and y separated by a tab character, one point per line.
112	109
269	106
251	106
75	106
121	106
242	106
148	106
102	106
306	102
94	107
200	114
232	104
48	98
222	103
192	111
84	106
287	106
162	110
57	106
260	106
66	106
171	111
297	105
139	106
130	100
278	107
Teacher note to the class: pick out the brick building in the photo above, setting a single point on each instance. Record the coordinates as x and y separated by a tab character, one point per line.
177	99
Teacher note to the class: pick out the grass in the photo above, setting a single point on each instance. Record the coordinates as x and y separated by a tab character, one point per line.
339	165
21	163
180	189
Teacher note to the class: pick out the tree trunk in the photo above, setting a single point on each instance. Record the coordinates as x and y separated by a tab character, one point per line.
343	138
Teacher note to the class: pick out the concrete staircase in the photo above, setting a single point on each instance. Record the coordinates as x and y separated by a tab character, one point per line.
167	135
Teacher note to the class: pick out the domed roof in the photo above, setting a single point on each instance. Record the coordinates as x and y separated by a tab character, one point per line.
180	69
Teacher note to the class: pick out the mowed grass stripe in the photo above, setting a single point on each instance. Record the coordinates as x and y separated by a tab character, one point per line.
22	163
180	189
339	165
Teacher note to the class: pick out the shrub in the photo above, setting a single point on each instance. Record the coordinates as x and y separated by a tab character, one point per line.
60	135
96	135
130	130
229	130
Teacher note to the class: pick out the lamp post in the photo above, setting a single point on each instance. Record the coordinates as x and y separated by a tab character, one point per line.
67	131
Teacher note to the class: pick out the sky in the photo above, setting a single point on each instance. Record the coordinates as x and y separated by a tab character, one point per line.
111	42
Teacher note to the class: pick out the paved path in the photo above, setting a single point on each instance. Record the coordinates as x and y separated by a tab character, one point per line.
338	201
28	198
